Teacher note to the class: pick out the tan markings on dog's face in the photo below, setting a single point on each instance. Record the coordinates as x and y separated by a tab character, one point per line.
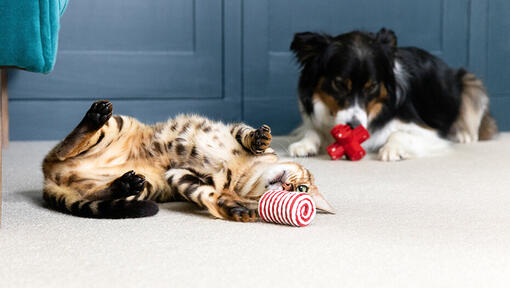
370	87
375	106
383	93
348	84
329	100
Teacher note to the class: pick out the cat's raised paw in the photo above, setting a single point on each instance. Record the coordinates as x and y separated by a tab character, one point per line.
261	139
99	113
128	184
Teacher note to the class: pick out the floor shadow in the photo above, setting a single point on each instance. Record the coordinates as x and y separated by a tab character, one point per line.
184	208
33	196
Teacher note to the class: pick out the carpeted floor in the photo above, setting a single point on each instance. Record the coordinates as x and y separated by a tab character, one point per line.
435	222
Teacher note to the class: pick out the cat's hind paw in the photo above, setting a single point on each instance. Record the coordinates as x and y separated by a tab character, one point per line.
128	184
98	114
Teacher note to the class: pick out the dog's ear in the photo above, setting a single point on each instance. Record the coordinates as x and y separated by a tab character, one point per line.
387	39
307	46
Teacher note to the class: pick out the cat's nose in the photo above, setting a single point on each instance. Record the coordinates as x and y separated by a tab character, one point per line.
287	187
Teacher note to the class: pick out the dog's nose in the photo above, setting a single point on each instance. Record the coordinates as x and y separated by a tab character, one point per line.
353	123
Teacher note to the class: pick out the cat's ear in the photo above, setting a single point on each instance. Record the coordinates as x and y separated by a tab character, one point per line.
307	46
387	39
320	201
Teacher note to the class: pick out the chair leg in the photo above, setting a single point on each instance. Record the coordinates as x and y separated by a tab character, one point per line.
5	110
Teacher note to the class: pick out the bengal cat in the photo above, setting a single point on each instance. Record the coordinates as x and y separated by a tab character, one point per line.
116	167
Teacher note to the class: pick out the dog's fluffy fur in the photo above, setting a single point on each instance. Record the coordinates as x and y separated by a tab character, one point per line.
412	103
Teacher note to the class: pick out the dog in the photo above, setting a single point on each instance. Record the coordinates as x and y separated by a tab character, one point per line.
411	102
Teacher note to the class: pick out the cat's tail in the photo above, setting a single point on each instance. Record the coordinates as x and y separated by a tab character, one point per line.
66	200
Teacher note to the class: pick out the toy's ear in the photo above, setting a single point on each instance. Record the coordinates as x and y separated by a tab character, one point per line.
387	39
307	46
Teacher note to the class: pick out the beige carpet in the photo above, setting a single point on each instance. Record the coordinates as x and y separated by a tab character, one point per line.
436	222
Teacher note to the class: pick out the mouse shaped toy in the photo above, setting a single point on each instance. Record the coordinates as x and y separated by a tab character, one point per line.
348	142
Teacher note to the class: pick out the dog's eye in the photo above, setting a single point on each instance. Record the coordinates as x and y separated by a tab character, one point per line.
302	188
371	88
339	84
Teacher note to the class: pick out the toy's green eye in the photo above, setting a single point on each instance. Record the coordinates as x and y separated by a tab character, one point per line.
302	188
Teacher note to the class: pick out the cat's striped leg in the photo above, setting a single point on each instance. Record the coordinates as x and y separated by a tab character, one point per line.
86	134
97	130
101	186
252	140
99	197
189	185
200	189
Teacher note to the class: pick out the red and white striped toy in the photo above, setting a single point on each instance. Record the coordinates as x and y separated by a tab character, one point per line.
289	208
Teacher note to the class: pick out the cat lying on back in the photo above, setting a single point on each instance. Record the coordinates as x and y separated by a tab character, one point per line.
117	167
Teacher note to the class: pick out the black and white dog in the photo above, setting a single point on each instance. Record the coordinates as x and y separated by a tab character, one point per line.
411	102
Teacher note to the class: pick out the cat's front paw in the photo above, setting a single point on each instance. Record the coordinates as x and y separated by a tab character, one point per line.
242	214
303	148
233	210
261	139
127	185
98	114
393	152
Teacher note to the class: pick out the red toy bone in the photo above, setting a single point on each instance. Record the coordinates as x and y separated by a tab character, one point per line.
348	142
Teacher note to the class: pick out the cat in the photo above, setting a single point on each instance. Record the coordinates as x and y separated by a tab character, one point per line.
113	166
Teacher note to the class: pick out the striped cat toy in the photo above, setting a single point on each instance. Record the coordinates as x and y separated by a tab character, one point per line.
289	208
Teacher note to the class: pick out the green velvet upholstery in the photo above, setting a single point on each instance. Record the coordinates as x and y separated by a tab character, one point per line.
29	33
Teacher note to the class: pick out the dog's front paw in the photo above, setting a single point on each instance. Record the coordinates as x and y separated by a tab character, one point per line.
303	148
465	137
393	152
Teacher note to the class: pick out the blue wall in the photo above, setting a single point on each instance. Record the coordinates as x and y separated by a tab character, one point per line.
230	60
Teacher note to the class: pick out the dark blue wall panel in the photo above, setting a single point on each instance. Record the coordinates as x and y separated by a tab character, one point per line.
134	49
153	59
230	60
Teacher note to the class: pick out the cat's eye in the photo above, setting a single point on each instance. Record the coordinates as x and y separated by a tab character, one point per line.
302	188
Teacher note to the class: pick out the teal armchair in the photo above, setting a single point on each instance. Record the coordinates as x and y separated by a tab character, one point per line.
29	33
28	41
